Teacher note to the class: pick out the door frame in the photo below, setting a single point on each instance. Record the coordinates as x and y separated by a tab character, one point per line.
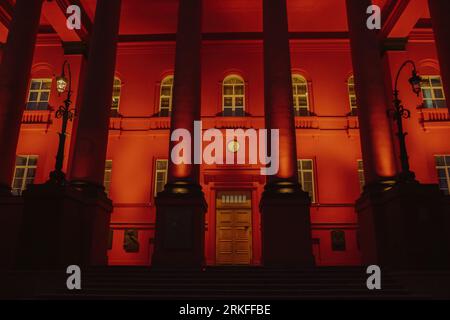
253	193
251	222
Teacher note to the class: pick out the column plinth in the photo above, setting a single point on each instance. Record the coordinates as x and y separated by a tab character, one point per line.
63	226
406	227
400	222
285	215
181	207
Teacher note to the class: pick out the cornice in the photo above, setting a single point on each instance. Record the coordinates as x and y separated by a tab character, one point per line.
421	36
48	40
125	48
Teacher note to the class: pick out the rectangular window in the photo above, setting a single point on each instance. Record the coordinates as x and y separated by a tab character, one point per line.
306	177
433	92
352	96
107	176
117	88
161	167
24	173
443	171
39	94
362	180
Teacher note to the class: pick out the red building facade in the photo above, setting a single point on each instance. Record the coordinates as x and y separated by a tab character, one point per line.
326	107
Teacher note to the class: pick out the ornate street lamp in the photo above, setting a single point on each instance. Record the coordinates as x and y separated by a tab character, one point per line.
398	113
65	113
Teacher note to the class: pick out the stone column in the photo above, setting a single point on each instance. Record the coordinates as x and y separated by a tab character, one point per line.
399	222
187	84
286	231
87	165
181	207
14	78
76	216
375	129
17	59
439	10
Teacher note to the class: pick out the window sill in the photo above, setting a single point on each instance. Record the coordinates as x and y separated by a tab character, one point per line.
327	122
434	118
37	117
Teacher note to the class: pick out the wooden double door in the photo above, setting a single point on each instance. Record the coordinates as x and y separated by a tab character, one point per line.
233	228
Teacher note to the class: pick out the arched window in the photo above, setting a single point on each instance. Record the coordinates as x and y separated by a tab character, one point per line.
117	88
352	96
165	97
301	98
433	92
233	96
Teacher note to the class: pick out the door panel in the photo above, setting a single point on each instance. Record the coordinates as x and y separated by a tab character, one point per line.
233	236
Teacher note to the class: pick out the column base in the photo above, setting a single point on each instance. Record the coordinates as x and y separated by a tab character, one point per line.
180	227
63	226
11	215
286	227
405	227
5	190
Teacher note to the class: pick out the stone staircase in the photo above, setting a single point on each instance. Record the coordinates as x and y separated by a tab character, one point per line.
230	283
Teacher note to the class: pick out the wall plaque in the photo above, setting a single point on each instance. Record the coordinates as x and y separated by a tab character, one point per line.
131	241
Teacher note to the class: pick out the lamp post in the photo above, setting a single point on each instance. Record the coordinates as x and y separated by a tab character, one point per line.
65	113
398	113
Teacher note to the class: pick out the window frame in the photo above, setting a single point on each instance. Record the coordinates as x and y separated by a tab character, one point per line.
301	171
161	96
234	108
39	92
115	107
107	182
156	171
446	167
25	177
296	96
351	84
431	88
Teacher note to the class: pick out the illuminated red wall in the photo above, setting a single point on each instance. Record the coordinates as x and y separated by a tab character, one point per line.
331	138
